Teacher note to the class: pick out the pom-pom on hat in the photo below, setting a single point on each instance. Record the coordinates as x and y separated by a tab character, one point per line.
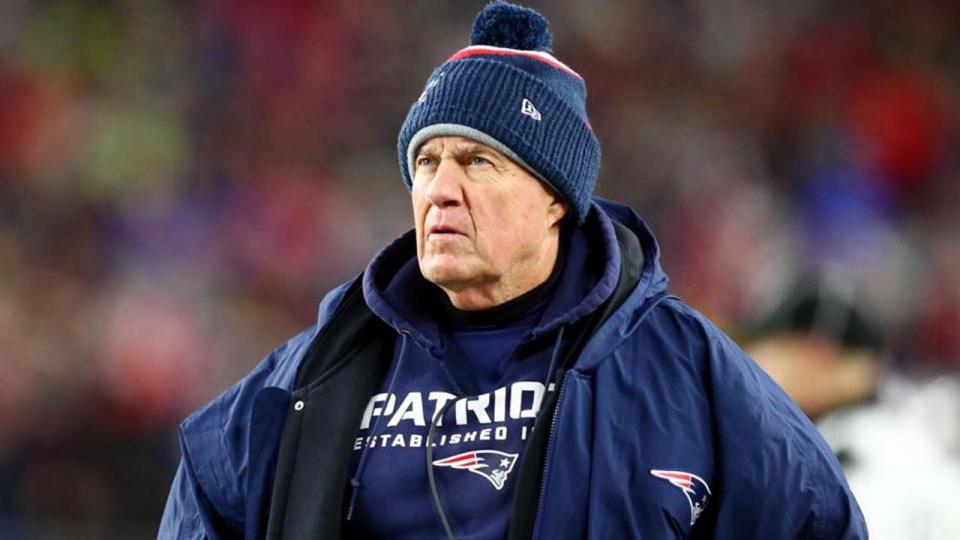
507	90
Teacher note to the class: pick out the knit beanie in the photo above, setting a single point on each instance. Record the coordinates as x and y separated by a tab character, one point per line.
507	90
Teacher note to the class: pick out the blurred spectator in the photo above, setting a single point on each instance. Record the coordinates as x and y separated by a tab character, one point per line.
821	347
828	354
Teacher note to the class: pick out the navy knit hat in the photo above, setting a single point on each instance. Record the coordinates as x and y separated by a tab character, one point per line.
507	91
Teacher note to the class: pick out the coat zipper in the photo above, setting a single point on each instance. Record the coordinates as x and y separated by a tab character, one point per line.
549	453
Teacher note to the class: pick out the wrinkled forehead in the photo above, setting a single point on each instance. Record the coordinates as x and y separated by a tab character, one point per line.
469	142
457	145
465	146
464	133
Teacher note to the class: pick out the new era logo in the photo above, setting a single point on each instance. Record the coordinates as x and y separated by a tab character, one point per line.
528	109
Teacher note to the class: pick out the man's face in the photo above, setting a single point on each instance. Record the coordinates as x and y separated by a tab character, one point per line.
481	219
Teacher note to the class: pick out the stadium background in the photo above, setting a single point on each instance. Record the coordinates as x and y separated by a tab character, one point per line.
181	181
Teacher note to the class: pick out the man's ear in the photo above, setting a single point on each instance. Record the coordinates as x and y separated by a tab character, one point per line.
558	209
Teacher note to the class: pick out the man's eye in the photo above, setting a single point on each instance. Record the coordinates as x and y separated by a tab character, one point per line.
424	162
479	160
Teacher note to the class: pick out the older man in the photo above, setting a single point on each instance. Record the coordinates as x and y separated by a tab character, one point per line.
514	366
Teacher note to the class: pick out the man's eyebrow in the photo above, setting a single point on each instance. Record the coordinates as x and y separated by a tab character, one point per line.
465	149
476	148
472	149
427	150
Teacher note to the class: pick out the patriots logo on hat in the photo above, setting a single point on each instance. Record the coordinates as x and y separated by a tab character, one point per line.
696	490
430	84
490	464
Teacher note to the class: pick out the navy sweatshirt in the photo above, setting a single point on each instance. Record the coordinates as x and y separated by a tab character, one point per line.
488	373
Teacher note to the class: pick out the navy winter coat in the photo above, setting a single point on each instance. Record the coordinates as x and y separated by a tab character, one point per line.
662	428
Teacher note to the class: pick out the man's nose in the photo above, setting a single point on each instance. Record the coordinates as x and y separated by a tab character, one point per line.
446	187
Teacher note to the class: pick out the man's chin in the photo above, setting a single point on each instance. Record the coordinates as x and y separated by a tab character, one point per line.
446	277
451	275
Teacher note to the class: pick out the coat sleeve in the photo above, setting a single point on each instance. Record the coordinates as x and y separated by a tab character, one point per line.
188	514
181	517
206	499
776	475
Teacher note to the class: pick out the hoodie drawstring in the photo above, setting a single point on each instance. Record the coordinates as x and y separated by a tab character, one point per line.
361	463
433	483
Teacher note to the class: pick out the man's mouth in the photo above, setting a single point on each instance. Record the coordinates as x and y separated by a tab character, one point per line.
444	231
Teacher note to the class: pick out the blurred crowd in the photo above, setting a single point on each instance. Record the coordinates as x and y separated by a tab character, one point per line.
181	181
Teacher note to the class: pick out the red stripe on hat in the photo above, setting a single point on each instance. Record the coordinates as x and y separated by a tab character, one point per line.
493	51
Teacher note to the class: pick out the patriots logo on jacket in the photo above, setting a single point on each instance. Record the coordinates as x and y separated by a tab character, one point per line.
696	490
490	464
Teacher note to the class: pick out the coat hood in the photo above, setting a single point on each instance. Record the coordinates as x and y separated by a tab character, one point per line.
642	271
642	252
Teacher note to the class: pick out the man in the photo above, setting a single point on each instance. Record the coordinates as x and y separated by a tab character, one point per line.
514	366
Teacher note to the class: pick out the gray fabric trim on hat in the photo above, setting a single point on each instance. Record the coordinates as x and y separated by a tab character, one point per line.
458	130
